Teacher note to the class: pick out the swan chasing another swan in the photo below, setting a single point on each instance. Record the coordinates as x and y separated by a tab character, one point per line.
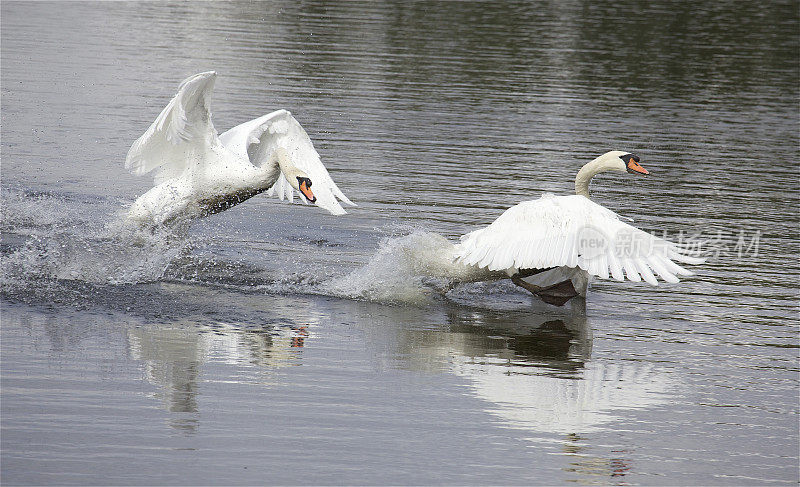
553	246
199	173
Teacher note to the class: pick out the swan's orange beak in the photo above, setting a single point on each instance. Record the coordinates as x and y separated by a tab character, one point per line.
634	166
306	190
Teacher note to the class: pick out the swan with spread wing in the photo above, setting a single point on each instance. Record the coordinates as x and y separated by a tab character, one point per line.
554	245
198	172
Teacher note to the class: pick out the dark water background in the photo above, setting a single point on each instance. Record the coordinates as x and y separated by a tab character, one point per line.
276	344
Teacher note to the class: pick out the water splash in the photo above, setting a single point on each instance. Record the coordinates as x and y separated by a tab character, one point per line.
397	271
414	269
63	247
66	237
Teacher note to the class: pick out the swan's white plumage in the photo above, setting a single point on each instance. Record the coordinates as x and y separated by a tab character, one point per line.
258	138
572	231
181	130
192	165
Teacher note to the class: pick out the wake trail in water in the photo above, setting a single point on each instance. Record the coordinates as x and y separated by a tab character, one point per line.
56	247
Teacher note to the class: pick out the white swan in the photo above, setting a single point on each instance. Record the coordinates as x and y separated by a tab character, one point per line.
199	173
553	245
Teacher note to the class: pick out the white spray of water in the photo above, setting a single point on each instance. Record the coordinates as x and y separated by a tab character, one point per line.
409	269
58	237
67	238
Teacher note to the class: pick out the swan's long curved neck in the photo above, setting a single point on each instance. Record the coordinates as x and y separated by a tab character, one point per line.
278	163
589	171
286	166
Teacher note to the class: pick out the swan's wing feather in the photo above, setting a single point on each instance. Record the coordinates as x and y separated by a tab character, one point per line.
615	267
572	231
659	268
182	129
257	139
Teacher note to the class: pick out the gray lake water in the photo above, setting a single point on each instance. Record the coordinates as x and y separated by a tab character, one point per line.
277	344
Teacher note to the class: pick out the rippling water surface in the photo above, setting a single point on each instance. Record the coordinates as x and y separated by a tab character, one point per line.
277	344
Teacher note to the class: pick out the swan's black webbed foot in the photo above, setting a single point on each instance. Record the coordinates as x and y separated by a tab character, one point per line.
557	294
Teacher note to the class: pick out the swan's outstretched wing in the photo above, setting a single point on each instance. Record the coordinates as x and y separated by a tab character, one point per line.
572	231
257	139
182	132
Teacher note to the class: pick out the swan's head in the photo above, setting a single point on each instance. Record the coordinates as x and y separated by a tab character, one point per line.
617	160
298	179
302	183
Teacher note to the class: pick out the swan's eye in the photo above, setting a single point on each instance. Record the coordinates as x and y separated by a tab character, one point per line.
627	157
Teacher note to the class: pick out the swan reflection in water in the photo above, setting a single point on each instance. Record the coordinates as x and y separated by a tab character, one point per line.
173	356
534	370
531	367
